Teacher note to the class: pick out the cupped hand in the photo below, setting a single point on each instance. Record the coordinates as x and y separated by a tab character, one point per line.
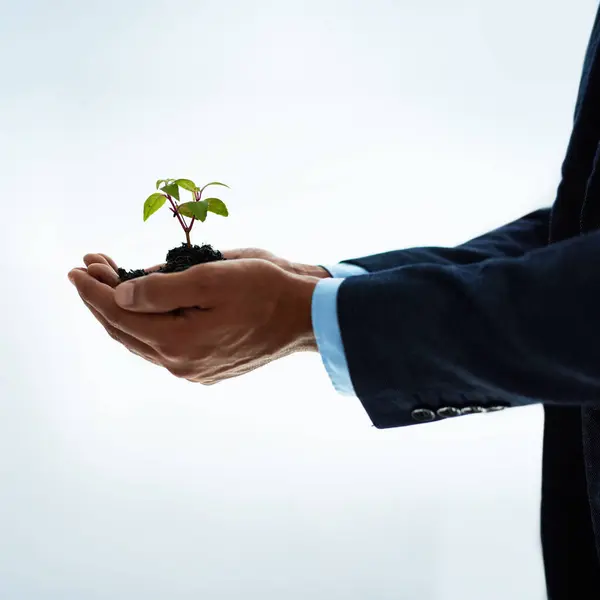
231	316
104	270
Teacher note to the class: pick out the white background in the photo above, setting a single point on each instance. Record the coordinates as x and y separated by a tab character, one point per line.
344	129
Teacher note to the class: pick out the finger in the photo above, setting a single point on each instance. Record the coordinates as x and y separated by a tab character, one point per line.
244	253
101	259
110	262
232	254
95	258
154	268
150	330
104	274
134	345
165	292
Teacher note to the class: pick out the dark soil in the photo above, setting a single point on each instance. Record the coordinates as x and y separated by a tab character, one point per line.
178	259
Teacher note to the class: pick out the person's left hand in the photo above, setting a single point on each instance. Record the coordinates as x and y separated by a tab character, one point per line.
209	323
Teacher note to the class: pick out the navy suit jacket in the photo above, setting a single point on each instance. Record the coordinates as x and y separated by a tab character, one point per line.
508	319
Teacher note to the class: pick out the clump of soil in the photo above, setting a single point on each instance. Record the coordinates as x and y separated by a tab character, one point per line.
178	259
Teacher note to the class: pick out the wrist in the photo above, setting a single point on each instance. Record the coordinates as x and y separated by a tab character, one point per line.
297	313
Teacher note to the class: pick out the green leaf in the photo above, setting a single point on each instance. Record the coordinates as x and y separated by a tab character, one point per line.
198	210
161	181
171	189
213	183
186	184
217	206
153	203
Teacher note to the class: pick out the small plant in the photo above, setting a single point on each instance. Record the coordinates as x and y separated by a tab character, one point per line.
197	209
186	255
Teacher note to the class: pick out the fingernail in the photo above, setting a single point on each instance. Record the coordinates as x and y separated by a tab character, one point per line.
124	294
71	278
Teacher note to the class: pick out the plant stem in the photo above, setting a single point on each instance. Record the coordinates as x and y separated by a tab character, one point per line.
181	221
197	198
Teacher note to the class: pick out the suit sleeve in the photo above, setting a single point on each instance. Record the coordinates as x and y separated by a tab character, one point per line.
427	341
512	239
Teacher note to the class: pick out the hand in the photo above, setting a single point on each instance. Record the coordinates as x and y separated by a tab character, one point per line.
104	269
236	315
290	267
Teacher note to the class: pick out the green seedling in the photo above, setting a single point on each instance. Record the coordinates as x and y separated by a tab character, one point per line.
196	209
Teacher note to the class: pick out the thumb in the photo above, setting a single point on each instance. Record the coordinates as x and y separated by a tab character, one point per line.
165	292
